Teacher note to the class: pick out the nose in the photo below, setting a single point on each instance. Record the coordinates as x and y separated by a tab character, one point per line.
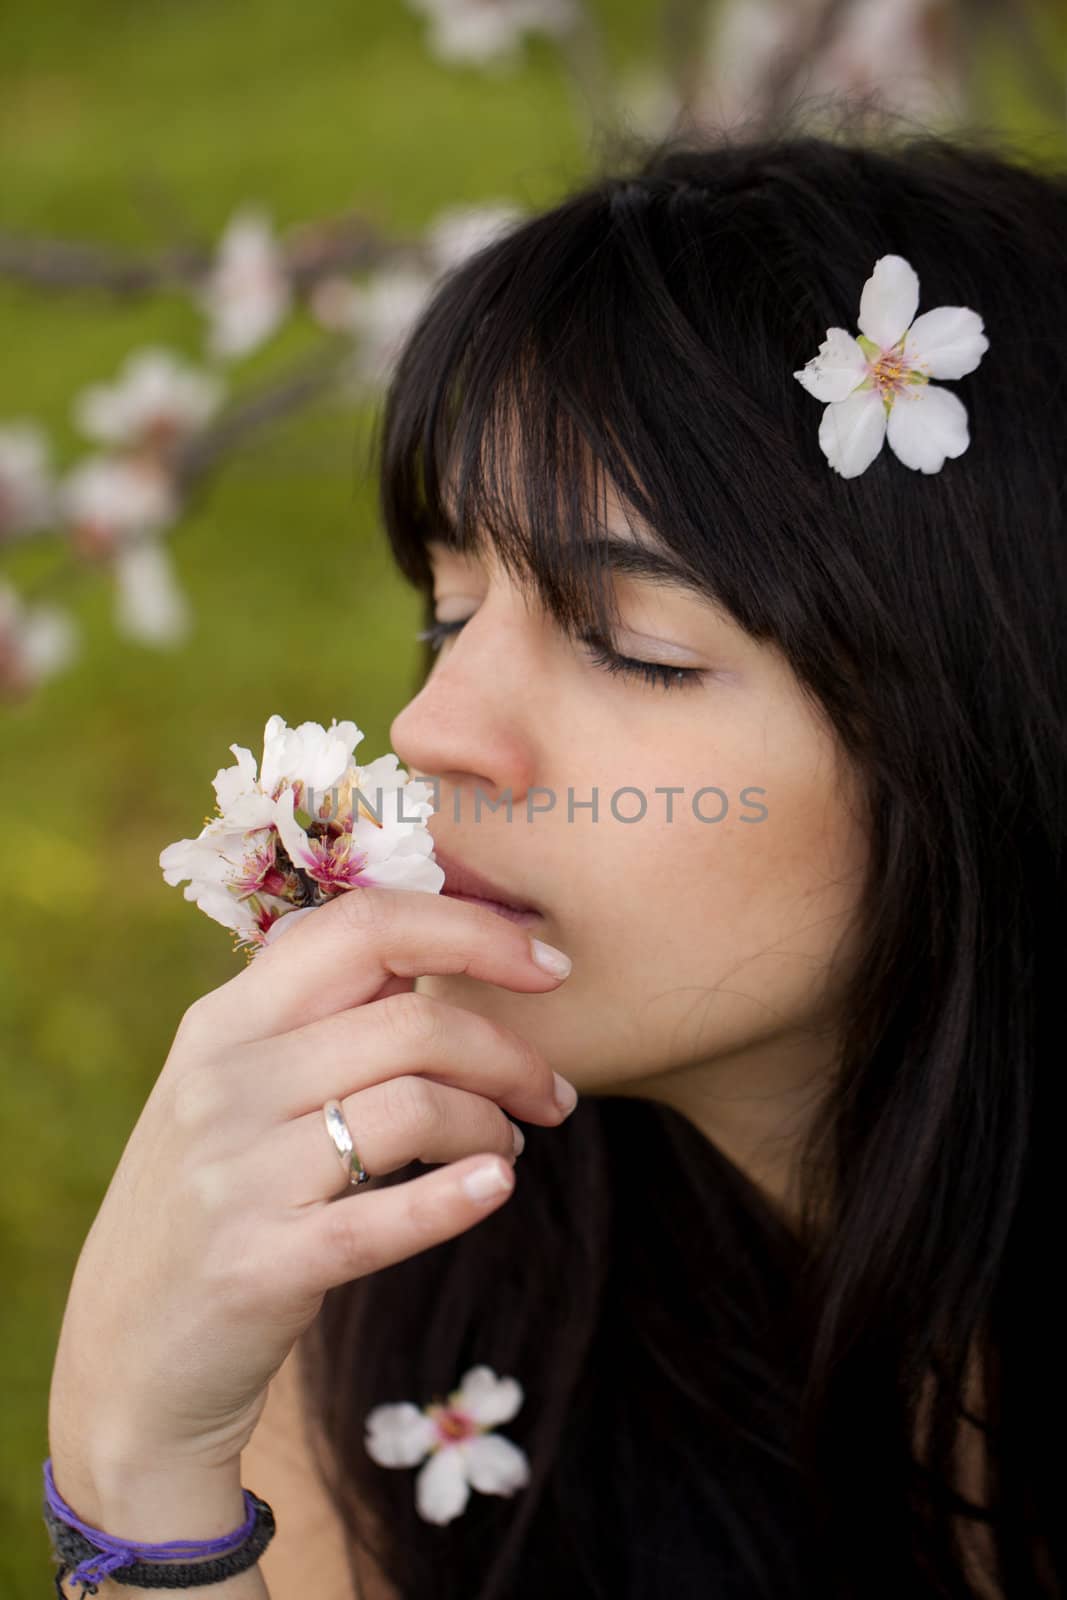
475	719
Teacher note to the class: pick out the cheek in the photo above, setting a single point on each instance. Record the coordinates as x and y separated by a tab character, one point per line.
700	938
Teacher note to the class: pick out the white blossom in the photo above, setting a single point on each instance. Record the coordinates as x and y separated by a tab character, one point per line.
463	1453
879	385
460	231
890	49
108	500
313	824
247	294
36	641
381	312
156	401
484	31
150	606
26	492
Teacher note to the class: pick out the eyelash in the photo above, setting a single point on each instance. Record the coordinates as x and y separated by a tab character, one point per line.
654	672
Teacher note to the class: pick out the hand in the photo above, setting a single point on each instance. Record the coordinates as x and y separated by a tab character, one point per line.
218	1235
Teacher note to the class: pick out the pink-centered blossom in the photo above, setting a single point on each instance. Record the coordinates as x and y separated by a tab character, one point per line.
455	1440
878	385
156	401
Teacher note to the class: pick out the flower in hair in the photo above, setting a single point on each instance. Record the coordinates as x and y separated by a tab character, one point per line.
878	384
463	1453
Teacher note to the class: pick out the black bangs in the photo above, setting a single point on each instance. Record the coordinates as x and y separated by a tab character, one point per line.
547	366
495	427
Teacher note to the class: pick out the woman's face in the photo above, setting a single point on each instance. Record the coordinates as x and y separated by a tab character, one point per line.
709	942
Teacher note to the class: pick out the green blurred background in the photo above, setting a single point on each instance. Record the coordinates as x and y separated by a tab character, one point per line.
132	124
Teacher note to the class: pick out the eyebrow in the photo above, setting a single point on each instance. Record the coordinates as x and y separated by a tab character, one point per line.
631	560
658	567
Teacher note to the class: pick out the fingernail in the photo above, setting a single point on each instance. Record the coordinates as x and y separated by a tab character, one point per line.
518	1138
566	1095
485	1182
549	959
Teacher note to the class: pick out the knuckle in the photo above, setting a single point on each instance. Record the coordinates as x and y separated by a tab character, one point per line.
531	1066
344	1240
197	1098
413	1018
369	912
412	1103
195	1026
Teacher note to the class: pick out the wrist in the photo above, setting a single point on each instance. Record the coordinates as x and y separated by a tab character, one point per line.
152	1502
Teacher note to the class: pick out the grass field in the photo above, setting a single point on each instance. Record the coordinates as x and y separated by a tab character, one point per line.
132	124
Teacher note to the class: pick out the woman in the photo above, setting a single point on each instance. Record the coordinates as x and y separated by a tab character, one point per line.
775	1293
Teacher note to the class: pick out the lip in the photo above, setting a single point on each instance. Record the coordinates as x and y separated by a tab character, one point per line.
463	883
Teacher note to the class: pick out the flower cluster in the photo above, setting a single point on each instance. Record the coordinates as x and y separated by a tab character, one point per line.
455	1435
312	825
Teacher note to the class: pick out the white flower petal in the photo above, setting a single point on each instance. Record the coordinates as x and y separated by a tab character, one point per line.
839	366
460	231
179	861
889	301
26	491
230	782
150	606
947	342
220	905
293	837
928	423
247	293
124	498
441	1488
49	641
406	872
852	432
397	1435
495	1465
488	1399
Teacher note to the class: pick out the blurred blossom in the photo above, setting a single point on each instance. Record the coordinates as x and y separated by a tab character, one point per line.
898	48
35	642
149	605
156	402
460	231
109	500
490	30
247	294
26	495
382	312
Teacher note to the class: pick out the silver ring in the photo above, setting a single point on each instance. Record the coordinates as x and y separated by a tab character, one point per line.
341	1135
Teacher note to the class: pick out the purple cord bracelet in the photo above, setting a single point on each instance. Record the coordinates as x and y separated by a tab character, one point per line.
117	1553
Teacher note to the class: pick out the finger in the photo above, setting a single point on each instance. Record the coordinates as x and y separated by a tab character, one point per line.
405	1119
294	1073
346	950
359	1234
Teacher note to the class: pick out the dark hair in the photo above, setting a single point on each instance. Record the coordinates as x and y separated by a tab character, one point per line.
718	1403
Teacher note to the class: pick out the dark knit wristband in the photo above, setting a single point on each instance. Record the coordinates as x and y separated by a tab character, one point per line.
74	1548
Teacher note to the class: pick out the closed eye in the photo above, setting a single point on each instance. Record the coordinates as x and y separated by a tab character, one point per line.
601	653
